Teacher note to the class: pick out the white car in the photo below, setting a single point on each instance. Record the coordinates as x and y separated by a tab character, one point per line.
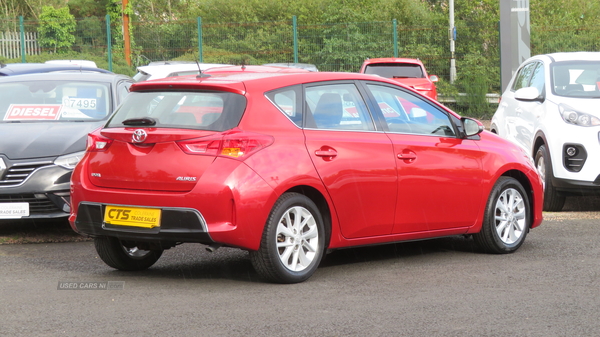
162	69
550	109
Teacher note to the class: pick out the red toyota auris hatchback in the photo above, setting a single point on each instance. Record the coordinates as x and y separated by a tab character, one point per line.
288	166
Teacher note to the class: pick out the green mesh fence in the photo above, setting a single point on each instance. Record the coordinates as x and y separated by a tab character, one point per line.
331	47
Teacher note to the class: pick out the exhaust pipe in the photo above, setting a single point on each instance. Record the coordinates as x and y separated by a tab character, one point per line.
213	247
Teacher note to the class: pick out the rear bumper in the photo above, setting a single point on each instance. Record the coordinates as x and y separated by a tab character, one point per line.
178	225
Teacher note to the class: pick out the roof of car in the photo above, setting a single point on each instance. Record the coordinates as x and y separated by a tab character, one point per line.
238	81
307	66
568	56
33	68
393	60
257	69
67	76
167	67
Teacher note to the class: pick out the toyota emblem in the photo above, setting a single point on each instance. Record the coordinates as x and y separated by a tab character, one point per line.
139	136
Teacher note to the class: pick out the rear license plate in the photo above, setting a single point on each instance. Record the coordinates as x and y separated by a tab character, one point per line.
14	210
132	216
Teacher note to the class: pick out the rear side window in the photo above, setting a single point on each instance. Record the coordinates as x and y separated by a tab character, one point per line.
289	102
214	111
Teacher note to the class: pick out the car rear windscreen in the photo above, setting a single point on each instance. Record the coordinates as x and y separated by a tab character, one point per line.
395	70
213	111
46	101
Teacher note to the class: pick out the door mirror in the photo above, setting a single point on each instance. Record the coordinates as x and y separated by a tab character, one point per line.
471	126
528	94
433	78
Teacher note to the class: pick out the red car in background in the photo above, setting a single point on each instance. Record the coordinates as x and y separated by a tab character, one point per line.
410	72
290	165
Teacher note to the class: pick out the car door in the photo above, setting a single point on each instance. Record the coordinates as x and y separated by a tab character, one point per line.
528	112
515	128
355	162
439	174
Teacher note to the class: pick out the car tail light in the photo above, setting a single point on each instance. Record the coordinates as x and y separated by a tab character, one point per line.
232	144
97	143
207	147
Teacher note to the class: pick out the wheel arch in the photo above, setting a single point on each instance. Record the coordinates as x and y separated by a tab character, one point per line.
524	181
539	140
319	199
494	129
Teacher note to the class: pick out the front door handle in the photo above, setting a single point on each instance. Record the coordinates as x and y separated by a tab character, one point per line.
328	153
408	156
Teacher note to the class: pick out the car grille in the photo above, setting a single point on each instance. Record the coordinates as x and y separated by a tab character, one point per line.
36	205
17	173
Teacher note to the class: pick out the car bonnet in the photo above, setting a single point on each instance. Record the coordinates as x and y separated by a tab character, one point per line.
35	140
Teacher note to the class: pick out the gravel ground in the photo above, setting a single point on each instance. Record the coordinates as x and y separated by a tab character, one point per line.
59	231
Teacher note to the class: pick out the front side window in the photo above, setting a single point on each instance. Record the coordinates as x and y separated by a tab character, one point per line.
408	113
214	111
336	107
576	79
524	76
54	101
538	79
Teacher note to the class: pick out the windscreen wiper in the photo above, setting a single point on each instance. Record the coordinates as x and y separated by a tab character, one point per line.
140	121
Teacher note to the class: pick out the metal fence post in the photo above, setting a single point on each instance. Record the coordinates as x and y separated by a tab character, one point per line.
108	42
295	27
200	56
395	25
22	29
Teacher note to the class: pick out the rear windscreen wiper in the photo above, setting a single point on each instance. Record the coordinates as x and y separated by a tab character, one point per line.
140	121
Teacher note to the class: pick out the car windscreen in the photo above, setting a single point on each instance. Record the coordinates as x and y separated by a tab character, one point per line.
202	110
576	79
395	70
54	101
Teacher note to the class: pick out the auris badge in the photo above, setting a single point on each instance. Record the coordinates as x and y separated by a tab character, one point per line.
139	136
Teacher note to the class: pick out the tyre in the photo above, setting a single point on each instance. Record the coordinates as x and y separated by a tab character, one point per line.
116	255
293	241
553	200
506	219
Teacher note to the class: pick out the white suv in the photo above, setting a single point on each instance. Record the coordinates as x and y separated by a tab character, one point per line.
551	109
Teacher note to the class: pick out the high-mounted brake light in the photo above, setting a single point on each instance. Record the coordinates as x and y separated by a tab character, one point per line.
234	144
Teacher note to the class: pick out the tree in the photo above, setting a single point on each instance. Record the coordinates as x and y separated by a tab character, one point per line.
56	29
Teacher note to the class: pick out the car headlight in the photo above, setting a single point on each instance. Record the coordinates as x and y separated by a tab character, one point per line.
575	117
69	161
